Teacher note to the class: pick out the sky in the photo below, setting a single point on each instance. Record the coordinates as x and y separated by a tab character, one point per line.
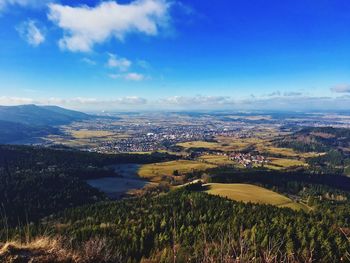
176	54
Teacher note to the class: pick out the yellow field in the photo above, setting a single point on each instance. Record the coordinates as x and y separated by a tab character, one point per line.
280	163
267	147
84	134
84	138
261	144
199	144
216	159
223	143
156	171
254	194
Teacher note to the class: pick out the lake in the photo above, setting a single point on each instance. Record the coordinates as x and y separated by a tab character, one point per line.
117	187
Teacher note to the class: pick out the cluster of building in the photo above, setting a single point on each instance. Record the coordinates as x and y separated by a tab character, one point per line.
248	159
146	133
147	138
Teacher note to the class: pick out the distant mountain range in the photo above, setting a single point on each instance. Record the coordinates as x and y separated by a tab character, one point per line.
24	122
40	115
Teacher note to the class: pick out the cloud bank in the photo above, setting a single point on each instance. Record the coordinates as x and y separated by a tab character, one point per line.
300	103
85	26
23	3
342	88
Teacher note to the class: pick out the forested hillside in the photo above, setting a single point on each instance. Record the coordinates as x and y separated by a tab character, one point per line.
317	139
36	182
12	132
40	115
27	123
196	227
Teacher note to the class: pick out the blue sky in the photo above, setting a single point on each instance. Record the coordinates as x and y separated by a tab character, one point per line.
193	54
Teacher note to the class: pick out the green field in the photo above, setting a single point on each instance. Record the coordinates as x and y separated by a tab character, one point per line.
254	194
156	171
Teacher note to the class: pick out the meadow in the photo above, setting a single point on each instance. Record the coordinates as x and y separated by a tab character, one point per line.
252	193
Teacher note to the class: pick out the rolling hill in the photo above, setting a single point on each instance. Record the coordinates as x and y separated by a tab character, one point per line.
12	132
34	115
27	123
317	139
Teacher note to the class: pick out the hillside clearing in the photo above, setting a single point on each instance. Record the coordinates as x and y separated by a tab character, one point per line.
252	193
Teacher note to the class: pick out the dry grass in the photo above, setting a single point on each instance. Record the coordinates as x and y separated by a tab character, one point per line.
56	250
252	193
85	134
41	250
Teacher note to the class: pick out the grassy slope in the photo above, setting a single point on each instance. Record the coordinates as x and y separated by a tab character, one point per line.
252	193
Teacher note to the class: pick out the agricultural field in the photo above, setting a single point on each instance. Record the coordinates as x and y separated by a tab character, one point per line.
226	144
199	144
71	142
156	171
82	138
216	159
86	134
268	148
281	163
252	193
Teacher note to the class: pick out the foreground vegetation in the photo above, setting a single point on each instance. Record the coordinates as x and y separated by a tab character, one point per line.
193	226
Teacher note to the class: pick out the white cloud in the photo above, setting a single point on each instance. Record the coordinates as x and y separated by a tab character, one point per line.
86	26
31	33
133	76
342	88
9	101
75	102
122	64
30	3
131	100
198	100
